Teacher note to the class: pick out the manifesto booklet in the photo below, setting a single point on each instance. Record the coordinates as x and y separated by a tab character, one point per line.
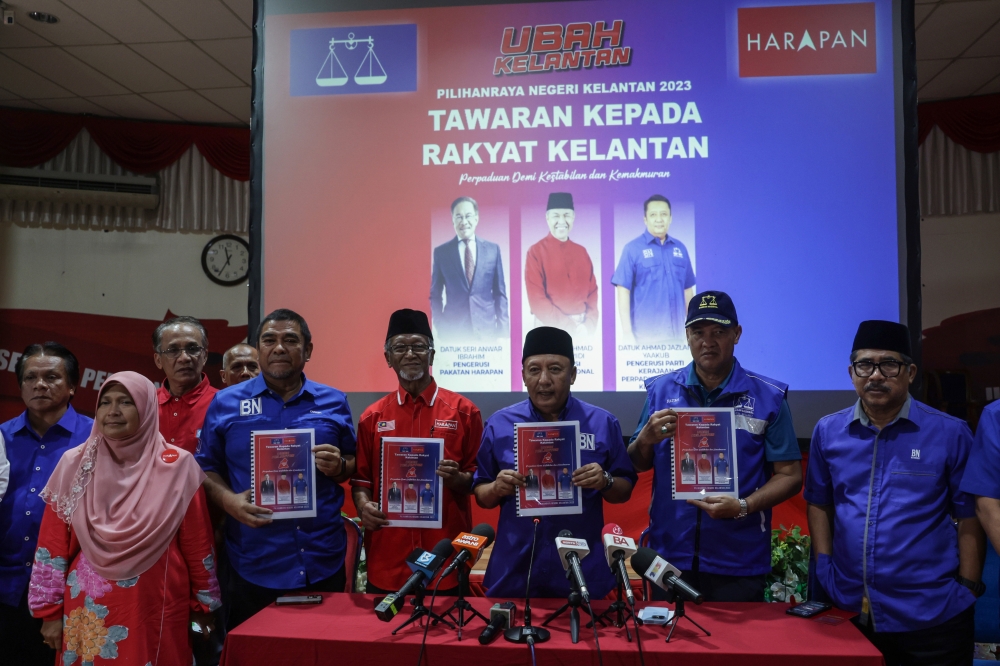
546	455
409	487
283	472
703	453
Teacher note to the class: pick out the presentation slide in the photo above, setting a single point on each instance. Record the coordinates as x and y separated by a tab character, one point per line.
585	165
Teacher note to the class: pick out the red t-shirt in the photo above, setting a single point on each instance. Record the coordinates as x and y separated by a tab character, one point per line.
436	412
559	279
181	418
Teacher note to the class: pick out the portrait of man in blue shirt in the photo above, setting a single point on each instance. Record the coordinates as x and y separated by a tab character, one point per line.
606	474
883	489
654	280
48	375
468	290
270	558
721	544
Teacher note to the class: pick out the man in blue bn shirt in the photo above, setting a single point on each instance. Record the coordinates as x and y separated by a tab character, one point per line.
271	558
654	280
721	544
982	474
48	375
883	489
548	371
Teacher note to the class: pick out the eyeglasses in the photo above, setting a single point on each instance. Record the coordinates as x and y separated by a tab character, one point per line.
418	349
174	353
468	217
890	368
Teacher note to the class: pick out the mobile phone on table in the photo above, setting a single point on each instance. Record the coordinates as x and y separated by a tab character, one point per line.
809	609
299	600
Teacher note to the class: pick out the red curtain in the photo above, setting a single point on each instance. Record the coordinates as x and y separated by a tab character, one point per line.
971	122
33	137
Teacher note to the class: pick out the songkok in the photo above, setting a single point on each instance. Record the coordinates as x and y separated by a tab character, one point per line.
407	322
712	306
560	200
885	335
547	340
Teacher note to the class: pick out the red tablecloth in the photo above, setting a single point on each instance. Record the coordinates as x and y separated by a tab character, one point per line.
344	630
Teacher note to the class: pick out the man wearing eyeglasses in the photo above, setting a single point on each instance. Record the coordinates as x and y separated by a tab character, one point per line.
180	348
468	290
417	408
559	275
883	487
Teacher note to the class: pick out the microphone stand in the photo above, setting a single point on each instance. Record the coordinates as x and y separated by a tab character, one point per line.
679	613
419	611
573	603
460	604
528	634
618	613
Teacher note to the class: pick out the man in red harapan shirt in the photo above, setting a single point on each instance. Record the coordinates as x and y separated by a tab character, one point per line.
559	275
181	349
418	408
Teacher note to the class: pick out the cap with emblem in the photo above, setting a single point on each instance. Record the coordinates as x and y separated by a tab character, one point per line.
712	306
547	340
407	322
883	335
560	200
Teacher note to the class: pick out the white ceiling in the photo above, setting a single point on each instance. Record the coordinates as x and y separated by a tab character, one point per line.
958	48
190	60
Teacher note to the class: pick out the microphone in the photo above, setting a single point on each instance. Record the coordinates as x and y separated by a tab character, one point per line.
617	547
501	617
424	564
528	634
470	546
663	574
571	551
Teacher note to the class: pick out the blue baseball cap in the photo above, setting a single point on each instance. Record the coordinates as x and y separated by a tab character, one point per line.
712	306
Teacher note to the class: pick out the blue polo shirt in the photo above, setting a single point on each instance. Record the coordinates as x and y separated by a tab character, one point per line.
506	575
656	276
289	553
32	460
894	493
982	474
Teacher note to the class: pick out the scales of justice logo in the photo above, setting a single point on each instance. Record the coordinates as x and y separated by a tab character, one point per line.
370	72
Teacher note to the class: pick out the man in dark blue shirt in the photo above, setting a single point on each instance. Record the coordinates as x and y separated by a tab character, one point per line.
606	474
272	558
884	489
48	375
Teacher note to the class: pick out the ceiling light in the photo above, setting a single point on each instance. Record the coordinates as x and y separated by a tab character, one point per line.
42	17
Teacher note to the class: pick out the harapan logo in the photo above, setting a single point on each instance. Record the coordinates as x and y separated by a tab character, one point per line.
807	39
549	48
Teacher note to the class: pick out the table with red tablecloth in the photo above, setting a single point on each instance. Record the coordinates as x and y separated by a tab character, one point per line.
344	630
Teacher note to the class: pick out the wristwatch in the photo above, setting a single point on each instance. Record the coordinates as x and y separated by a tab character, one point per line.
743	509
610	482
977	587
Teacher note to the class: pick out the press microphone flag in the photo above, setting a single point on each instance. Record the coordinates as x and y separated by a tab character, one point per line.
424	565
615	542
470	546
617	547
661	573
571	551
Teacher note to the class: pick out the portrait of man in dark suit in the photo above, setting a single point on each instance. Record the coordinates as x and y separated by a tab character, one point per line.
468	292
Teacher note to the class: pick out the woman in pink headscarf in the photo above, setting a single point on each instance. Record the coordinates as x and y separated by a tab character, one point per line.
124	559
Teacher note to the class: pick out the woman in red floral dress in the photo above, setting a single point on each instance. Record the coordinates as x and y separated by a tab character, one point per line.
124	560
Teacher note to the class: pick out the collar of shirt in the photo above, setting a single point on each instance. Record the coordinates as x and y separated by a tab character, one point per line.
258	386
164	395
859	413
651	239
694	381
67	423
428	395
570	403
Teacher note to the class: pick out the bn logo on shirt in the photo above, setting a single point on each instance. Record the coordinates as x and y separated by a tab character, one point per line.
250	407
586	441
